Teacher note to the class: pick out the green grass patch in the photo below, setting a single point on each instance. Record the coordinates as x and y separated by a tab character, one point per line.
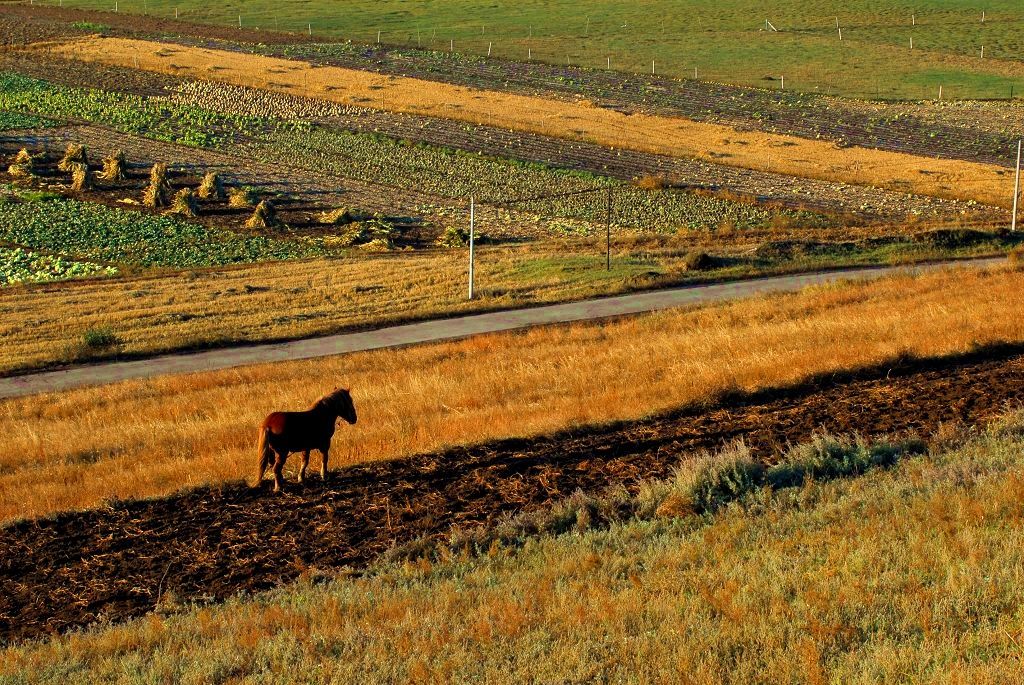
110	235
728	42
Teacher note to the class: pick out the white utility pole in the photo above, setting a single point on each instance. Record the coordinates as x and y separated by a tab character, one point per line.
1016	190
472	236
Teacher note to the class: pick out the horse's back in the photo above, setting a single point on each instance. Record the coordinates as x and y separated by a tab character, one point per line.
276	423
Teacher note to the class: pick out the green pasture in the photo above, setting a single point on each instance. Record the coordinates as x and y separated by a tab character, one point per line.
724	41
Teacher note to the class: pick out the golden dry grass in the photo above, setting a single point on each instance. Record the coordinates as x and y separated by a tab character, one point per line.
151	437
43	324
905	575
574	120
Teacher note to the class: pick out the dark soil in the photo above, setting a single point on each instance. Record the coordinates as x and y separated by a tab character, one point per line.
113	563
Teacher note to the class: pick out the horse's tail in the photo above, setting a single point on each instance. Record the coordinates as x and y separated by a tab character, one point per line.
262	454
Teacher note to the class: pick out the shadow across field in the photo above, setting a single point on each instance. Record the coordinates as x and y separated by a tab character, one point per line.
211	542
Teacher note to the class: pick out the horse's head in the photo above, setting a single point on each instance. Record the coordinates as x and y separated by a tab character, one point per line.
340	401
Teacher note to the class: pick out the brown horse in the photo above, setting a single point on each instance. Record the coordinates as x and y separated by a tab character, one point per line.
285	432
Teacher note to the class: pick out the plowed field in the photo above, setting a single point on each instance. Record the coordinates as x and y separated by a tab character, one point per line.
209	543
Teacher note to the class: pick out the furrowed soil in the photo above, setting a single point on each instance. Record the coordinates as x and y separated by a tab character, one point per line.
582	120
116	562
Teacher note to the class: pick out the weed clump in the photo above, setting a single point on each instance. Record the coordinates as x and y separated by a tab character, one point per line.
185	204
100	338
699	261
652	182
211	188
75	154
455	236
113	167
157	193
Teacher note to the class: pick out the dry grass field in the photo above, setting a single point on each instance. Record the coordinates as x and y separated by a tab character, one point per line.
580	120
904	574
144	438
45	324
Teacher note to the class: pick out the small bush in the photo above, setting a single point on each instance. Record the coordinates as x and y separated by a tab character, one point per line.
455	236
699	261
952	238
652	182
100	338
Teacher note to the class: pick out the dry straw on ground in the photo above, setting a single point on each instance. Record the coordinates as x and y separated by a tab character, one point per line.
580	120
143	438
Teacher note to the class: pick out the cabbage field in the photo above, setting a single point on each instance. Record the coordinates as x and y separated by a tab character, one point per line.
93	232
153	117
18	265
445	172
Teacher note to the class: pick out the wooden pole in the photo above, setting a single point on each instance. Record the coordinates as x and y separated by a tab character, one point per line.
1016	190
472	236
489	44
608	234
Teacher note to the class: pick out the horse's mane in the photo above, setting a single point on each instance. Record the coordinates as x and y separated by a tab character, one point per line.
329	398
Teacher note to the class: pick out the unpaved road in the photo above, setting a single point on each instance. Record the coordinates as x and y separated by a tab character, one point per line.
444	329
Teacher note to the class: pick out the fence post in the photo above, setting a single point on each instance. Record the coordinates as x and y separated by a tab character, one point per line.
608	233
472	235
1016	191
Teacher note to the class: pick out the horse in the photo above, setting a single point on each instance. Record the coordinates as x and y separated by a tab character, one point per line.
285	432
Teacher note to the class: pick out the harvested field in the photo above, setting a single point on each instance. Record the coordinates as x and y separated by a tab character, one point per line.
210	543
578	121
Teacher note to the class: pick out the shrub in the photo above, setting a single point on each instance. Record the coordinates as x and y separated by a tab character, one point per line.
651	182
100	338
455	236
699	261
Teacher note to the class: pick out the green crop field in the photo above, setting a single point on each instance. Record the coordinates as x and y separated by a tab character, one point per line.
725	41
104	234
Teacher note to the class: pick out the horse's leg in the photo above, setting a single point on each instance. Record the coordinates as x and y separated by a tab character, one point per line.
278	467
323	463
305	463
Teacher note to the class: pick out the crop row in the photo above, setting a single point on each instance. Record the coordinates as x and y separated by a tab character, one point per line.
154	117
456	174
105	234
255	103
18	265
926	128
10	121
